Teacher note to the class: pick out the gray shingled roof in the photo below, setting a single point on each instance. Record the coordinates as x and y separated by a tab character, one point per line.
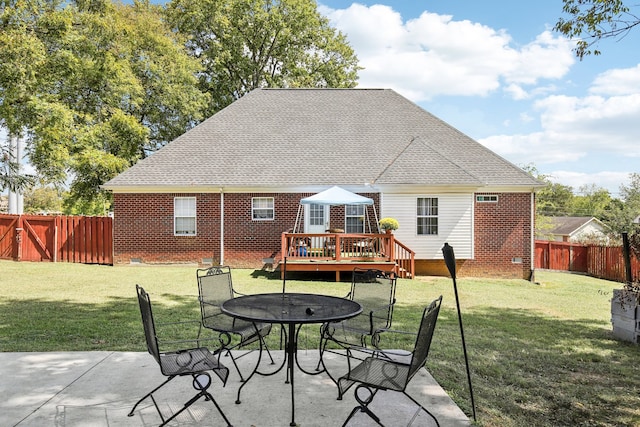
565	225
301	137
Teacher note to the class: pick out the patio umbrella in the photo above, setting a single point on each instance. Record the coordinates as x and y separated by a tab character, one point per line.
337	196
450	260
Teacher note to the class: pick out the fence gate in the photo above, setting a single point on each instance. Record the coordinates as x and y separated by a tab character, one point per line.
80	239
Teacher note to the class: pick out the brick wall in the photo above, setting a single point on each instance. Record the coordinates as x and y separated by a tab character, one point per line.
502	238
143	229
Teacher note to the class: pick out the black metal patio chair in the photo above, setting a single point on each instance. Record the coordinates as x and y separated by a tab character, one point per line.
196	362
375	290
214	287
389	370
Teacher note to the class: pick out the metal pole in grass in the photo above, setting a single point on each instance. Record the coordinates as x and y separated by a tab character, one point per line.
450	260
284	275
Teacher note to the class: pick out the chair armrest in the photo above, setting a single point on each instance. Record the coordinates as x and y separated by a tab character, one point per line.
172	334
385	339
237	294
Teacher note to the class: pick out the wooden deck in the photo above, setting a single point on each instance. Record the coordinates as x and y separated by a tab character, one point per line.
336	266
317	252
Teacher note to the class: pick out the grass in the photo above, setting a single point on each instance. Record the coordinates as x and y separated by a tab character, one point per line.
540	354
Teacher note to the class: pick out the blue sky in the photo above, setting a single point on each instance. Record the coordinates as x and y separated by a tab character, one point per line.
497	71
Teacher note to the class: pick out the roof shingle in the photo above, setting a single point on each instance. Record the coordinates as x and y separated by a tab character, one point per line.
301	137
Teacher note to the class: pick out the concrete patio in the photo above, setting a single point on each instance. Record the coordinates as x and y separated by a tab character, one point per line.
99	389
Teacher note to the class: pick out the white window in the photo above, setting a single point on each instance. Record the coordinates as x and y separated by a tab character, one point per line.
487	199
316	214
427	215
354	219
262	208
184	216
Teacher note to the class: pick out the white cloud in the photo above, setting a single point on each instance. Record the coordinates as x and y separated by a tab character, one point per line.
434	55
617	82
572	126
608	180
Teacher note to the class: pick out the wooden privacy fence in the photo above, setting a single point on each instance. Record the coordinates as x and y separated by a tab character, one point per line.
81	239
603	262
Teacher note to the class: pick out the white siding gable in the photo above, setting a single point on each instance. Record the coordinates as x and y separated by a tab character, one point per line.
590	229
455	223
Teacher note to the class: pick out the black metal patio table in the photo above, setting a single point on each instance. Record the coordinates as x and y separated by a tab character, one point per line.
294	310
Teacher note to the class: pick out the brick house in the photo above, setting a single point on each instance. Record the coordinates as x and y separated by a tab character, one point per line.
227	189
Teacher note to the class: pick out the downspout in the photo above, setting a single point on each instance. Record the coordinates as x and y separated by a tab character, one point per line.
532	242
221	226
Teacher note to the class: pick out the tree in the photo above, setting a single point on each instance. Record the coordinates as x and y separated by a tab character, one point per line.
621	213
593	20
249	44
550	201
106	84
592	201
555	199
42	199
11	176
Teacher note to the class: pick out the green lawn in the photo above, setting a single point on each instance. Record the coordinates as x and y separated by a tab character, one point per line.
541	354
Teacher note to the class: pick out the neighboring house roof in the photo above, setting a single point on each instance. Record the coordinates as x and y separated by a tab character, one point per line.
322	137
572	225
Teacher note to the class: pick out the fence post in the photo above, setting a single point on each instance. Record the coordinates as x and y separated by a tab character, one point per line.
19	231
627	258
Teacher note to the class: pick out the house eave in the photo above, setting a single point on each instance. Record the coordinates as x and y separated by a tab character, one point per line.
160	189
363	188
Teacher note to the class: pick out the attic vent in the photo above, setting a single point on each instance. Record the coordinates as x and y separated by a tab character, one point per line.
487	199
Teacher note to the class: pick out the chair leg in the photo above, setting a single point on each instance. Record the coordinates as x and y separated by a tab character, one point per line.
233	360
210	397
264	343
364	405
421	408
201	382
194	399
150	394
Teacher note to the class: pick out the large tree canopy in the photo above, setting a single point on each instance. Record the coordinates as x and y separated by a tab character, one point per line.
248	44
93	86
590	21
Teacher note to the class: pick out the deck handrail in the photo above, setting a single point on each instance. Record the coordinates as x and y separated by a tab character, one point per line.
405	259
357	247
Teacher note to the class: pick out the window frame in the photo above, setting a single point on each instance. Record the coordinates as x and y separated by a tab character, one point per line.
347	215
486	198
255	209
179	214
429	216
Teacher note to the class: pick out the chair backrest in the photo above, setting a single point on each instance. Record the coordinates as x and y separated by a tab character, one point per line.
144	301
425	334
214	287
375	290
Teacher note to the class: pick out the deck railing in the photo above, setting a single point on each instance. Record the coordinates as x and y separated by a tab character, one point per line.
356	247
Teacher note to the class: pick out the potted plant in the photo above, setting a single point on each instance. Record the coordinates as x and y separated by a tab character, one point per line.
389	224
625	304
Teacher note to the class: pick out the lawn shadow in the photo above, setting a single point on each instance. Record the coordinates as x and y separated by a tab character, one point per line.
537	370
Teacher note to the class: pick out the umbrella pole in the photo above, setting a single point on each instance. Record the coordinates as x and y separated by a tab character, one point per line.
450	260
